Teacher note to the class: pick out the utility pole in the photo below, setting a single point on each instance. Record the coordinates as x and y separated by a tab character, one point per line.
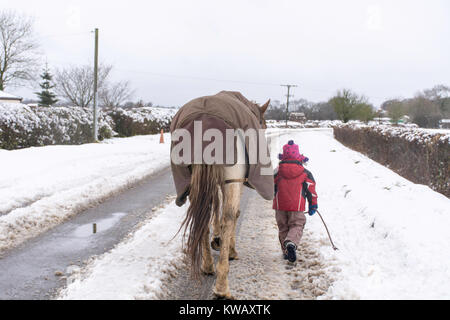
96	87
288	86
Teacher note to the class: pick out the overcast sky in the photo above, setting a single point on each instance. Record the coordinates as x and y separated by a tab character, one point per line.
174	51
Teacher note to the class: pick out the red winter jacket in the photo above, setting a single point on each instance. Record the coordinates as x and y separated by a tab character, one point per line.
293	185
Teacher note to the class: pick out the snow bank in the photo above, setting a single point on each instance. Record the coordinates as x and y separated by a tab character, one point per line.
137	267
42	187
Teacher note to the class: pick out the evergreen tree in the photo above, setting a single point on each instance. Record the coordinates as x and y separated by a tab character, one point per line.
46	97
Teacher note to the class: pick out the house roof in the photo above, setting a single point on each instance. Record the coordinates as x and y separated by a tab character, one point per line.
7	96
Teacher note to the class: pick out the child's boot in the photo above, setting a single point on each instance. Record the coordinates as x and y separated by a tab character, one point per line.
291	251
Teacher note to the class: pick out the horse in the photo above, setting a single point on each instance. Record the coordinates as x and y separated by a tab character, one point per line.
214	192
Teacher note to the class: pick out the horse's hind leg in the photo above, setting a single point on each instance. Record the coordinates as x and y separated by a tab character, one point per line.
232	194
215	242
207	259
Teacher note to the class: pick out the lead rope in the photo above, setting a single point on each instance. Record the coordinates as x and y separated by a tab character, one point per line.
329	236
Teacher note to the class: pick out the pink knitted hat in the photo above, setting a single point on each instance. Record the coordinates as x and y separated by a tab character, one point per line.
291	152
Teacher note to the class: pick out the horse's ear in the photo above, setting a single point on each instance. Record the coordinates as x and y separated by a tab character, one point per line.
265	106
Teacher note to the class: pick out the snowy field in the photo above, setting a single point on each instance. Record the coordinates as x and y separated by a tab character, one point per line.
42	187
392	237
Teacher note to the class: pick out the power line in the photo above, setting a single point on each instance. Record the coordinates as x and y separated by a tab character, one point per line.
329	92
194	77
199	78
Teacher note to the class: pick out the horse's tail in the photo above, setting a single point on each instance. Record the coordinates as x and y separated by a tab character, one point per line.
204	197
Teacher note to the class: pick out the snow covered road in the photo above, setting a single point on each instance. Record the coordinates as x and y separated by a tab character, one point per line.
392	235
40	266
42	187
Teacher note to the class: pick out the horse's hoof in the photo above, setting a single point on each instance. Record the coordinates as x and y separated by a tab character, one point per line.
208	271
233	257
227	296
215	244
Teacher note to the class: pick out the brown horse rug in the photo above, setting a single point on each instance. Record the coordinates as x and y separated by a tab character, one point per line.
225	110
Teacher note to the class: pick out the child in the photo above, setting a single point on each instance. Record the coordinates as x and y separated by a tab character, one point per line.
293	185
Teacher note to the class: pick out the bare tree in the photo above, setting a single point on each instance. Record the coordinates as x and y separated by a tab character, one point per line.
18	56
424	112
115	94
438	92
76	84
440	95
322	111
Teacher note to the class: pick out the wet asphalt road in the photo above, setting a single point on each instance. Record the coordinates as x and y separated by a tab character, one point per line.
32	270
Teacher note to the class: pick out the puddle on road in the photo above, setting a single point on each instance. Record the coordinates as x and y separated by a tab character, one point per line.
86	230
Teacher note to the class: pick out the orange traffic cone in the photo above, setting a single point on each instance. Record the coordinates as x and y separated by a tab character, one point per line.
161	140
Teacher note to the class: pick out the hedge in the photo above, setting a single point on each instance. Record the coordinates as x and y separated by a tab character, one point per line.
22	126
420	156
140	121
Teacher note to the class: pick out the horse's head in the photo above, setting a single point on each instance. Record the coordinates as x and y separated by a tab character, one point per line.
262	111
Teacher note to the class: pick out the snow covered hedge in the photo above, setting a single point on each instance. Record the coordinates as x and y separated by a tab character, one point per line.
420	156
140	121
298	125
22	126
